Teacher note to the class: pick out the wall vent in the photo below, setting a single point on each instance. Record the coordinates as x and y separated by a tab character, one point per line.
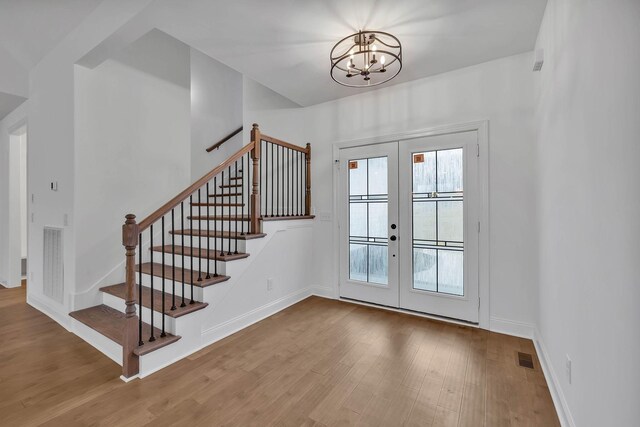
525	360
53	268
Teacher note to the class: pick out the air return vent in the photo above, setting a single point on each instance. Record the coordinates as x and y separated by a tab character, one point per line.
525	360
52	269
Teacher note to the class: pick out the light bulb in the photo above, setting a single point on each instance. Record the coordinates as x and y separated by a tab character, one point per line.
374	48
382	60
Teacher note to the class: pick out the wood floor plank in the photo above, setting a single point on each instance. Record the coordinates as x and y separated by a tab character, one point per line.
318	363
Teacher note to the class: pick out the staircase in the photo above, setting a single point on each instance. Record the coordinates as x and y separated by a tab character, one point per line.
190	245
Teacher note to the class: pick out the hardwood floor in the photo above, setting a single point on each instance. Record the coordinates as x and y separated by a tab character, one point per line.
319	362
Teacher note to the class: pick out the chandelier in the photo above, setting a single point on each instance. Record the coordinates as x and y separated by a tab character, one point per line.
365	59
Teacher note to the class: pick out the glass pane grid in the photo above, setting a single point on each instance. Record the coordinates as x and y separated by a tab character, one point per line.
368	220
438	221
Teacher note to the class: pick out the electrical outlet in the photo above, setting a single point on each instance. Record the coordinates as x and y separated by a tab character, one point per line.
568	368
269	284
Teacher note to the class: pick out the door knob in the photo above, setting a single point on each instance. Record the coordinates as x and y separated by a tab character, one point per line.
393	238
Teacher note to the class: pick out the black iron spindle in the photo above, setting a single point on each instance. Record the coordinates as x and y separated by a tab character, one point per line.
182	304
199	238
199	233
152	337
229	211
173	261
140	342
163	333
243	188
264	160
221	219
208	233
235	198
215	229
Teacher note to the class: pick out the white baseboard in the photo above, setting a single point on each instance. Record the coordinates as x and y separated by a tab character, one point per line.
61	318
238	323
323	291
511	327
559	401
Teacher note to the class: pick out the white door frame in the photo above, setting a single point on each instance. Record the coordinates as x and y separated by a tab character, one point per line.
482	129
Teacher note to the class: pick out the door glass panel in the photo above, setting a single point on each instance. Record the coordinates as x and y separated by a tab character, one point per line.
378	264
368	220
438	221
358	219
450	277
424	269
378	220
424	172
449	170
358	262
424	220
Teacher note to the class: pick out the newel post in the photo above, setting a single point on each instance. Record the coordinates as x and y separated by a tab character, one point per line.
256	140
307	199
130	362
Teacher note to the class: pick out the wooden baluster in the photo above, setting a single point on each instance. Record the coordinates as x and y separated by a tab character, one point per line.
130	362
255	190
307	199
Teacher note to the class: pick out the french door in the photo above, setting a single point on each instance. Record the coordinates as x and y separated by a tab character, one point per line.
409	215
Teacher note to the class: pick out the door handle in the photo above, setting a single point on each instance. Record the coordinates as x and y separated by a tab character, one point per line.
393	238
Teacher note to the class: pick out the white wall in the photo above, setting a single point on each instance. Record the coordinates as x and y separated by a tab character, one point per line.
216	111
588	152
9	196
499	91
132	150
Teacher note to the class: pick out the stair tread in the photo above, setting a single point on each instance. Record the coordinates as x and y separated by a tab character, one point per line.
283	218
220	218
217	204
120	289
200	253
110	323
168	274
219	234
225	195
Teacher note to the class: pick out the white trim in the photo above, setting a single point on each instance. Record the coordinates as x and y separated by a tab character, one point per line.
482	128
409	312
231	326
559	401
126	380
62	319
324	291
512	327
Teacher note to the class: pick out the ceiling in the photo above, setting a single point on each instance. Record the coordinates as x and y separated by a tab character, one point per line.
285	44
29	29
8	103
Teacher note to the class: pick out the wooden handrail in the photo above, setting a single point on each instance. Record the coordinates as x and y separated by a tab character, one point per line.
225	139
145	223
283	143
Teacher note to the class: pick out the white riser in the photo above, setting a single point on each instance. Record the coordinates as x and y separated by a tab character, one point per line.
157	285
170	323
224	267
177	261
213	243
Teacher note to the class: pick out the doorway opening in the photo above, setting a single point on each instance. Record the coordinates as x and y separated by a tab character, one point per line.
410	224
18	206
